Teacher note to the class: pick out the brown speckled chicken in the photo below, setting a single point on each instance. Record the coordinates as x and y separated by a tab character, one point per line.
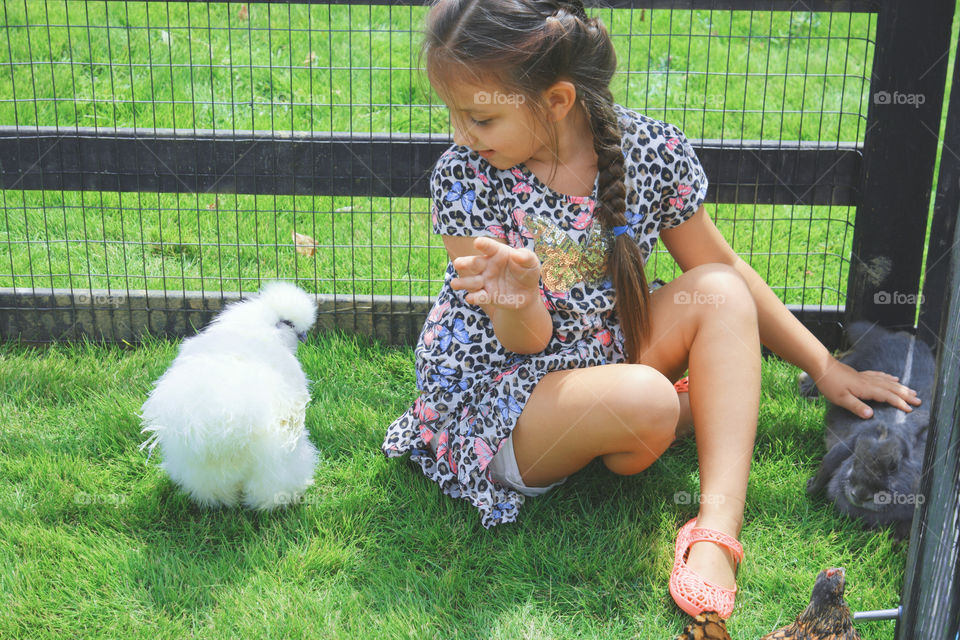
706	626
827	617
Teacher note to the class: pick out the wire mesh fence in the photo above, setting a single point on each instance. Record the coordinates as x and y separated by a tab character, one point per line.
196	149
225	71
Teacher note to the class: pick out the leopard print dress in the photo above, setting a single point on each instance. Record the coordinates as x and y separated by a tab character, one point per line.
472	390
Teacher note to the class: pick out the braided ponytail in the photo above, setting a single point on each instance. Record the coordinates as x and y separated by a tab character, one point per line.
625	262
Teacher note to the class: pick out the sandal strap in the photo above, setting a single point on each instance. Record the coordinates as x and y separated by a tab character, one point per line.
703	534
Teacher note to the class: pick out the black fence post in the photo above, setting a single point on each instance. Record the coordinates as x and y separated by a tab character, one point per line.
899	150
943	223
931	585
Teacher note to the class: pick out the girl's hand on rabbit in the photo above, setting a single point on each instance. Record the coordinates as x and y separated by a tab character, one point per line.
846	387
501	276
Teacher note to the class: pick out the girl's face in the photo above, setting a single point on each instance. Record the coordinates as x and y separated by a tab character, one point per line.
497	125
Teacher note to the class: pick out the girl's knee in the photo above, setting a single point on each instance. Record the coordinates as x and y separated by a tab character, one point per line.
721	287
650	410
648	406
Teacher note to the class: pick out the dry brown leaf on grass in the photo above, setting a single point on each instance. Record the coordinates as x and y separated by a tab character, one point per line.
243	13
306	246
310	59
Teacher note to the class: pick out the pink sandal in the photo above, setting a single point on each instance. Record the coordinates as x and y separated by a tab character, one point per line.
682	385
690	591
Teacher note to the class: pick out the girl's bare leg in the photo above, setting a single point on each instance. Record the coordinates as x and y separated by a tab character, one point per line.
704	320
685	421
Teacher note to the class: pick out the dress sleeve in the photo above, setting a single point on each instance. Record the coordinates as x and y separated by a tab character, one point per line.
684	180
464	202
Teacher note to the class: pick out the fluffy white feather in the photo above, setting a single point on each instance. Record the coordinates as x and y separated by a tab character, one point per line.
228	415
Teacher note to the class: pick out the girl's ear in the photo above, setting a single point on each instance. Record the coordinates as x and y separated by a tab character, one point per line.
559	98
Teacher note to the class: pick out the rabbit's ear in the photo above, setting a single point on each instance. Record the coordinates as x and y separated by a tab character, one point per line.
831	462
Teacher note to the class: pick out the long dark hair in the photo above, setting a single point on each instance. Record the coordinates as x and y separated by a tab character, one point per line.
526	46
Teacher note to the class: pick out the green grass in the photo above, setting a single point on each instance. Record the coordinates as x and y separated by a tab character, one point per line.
94	542
799	76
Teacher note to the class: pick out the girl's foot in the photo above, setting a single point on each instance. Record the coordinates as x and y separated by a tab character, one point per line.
705	586
713	562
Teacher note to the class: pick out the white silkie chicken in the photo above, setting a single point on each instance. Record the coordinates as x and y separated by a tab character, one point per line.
228	415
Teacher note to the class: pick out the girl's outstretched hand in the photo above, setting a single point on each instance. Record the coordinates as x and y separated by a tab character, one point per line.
500	276
846	387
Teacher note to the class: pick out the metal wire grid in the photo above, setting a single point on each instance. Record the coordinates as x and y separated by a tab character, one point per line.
232	68
828	54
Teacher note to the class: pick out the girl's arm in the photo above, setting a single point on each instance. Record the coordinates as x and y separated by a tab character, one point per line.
698	241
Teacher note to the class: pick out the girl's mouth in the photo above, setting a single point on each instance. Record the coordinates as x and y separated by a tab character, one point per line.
486	153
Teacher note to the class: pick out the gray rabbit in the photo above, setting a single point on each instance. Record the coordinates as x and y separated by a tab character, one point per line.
872	467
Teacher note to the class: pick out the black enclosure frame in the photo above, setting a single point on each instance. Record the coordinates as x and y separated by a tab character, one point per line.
888	178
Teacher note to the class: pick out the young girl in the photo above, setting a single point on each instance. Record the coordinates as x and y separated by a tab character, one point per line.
545	348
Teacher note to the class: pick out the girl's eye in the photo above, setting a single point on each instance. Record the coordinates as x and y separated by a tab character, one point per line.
480	123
